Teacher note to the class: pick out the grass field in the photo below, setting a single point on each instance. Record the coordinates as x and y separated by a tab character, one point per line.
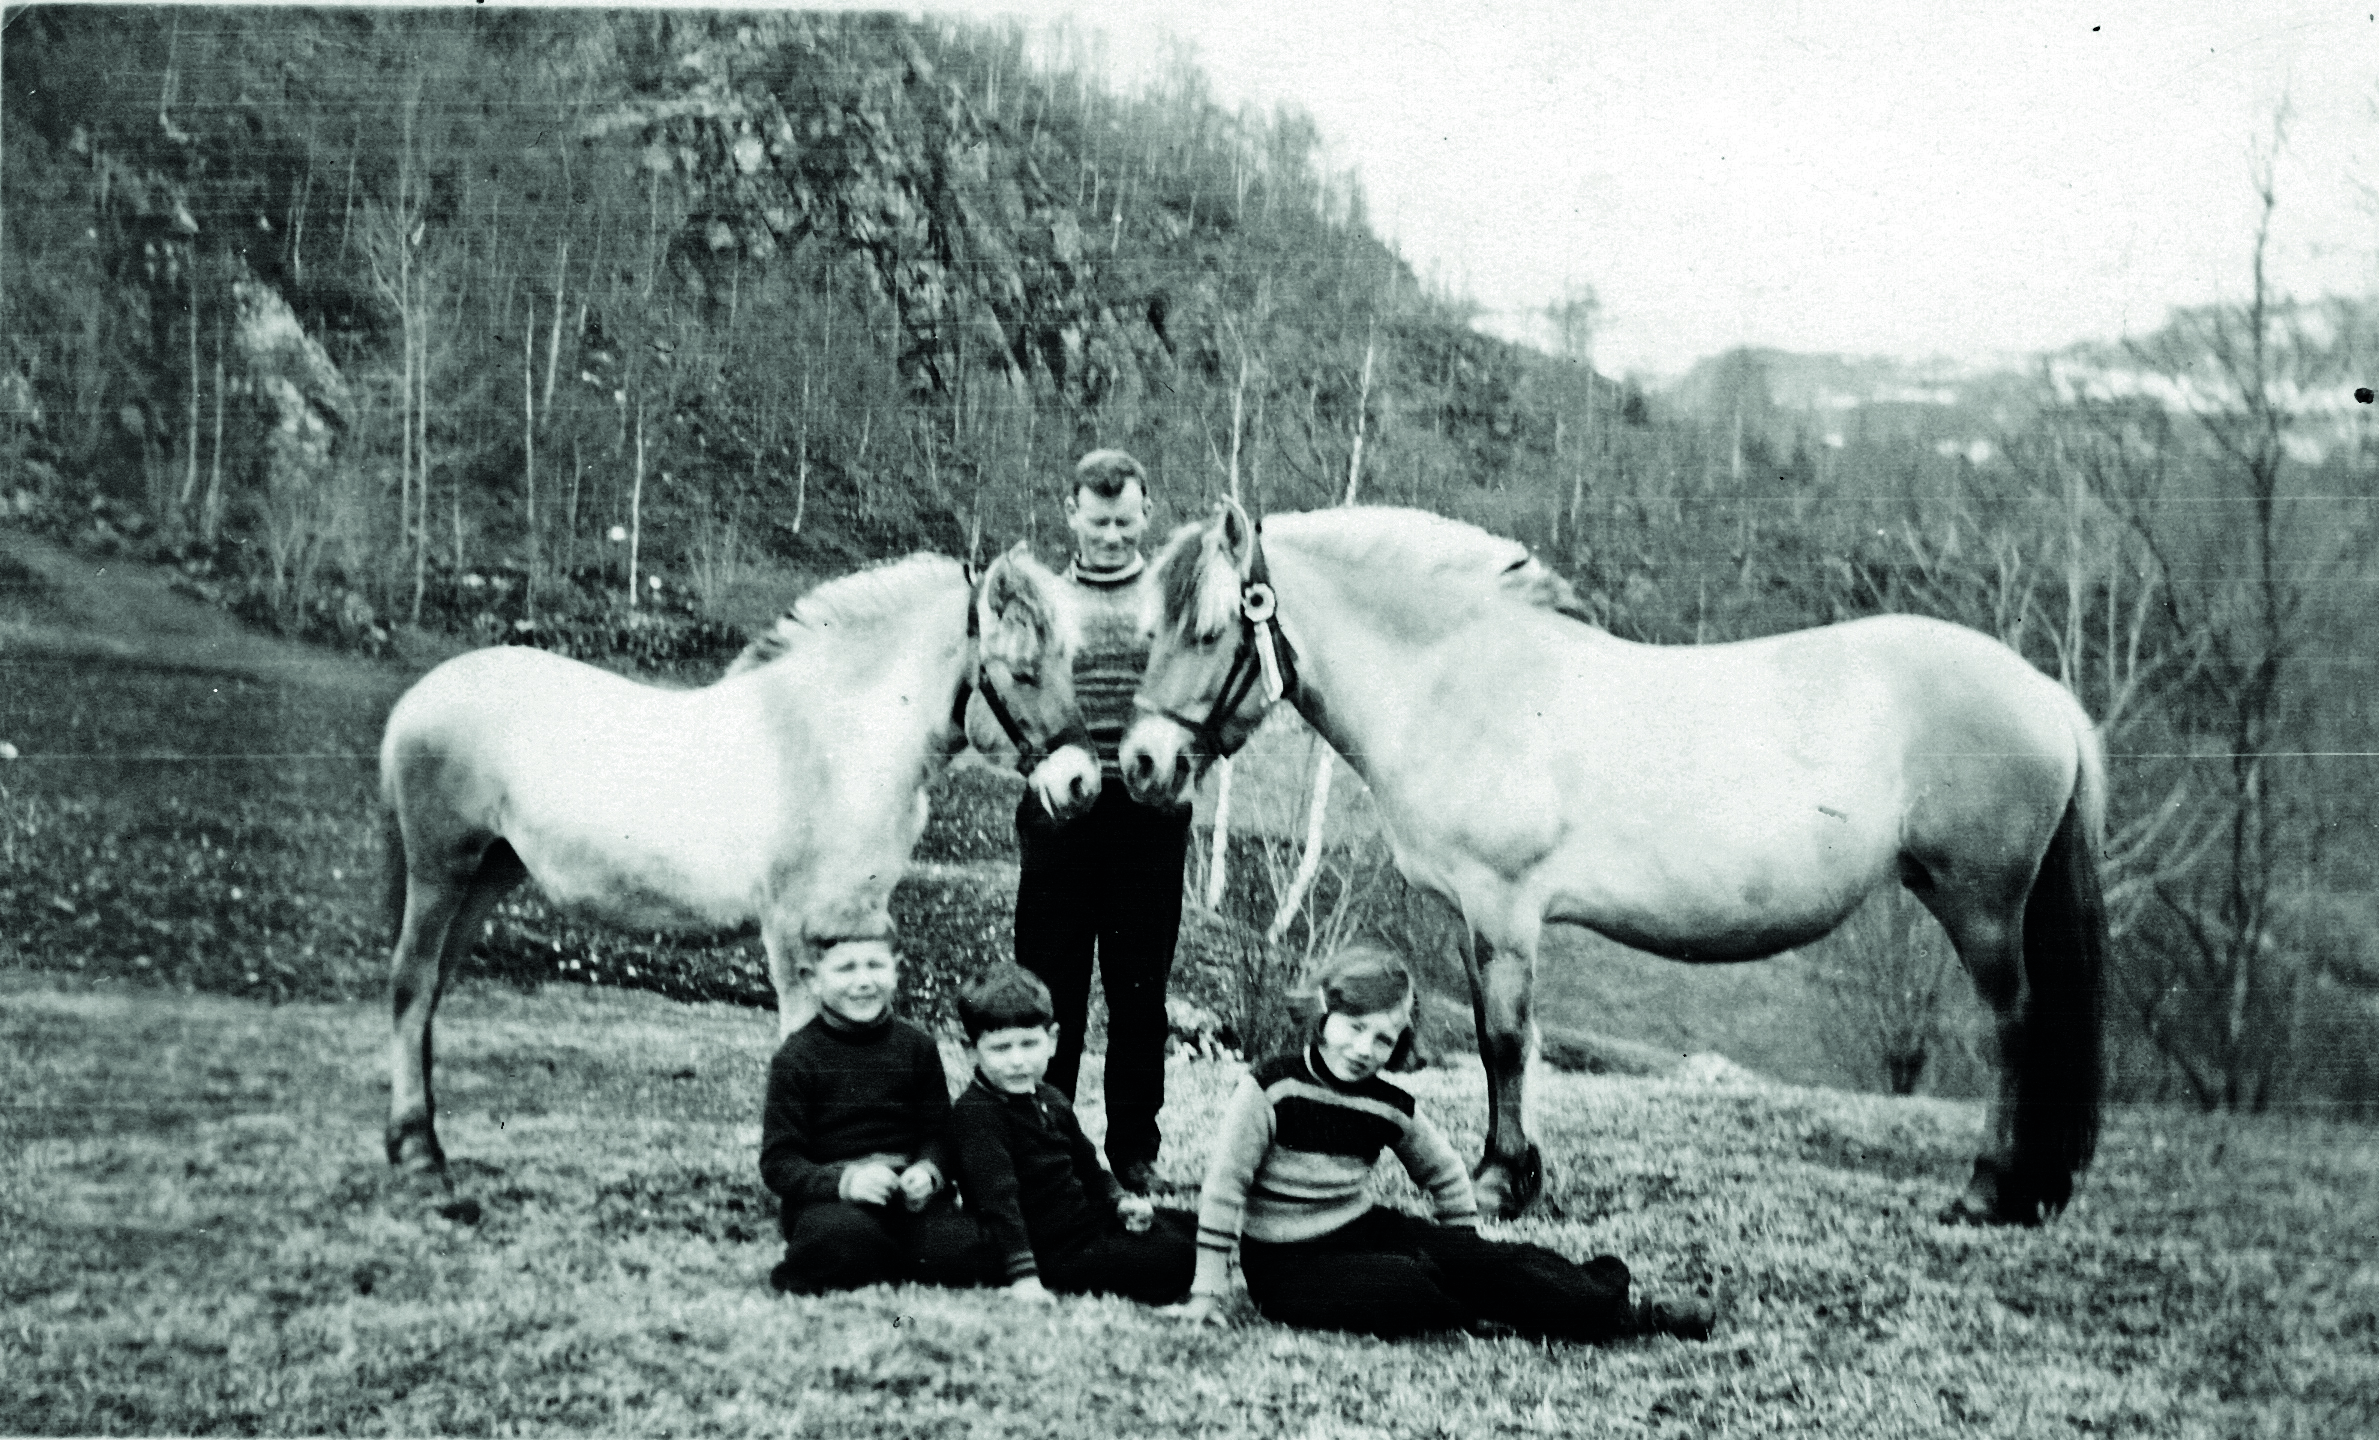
201	1237
198	1235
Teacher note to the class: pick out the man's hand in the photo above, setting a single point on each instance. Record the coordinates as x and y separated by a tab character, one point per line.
871	1183
1197	1310
1030	1288
1137	1212
918	1182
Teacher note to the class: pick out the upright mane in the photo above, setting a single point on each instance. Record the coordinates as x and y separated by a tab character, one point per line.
1403	546
861	601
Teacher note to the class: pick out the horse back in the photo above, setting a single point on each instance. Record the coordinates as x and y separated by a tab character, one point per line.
509	731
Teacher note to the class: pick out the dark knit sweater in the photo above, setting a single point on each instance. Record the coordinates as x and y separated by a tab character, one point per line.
839	1094
1295	1157
1030	1177
1108	666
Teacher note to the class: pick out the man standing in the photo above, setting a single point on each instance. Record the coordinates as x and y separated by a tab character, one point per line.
1110	881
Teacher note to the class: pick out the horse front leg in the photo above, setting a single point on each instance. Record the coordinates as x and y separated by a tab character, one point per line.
1502	973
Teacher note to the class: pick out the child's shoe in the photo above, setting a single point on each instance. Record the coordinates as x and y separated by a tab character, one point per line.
1686	1318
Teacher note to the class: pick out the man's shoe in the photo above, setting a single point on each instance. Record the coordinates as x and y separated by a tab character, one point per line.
1137	1176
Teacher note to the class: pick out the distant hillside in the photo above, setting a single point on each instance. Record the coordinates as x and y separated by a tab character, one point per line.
1968	407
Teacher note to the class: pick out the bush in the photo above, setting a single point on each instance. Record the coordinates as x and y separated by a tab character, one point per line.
972	816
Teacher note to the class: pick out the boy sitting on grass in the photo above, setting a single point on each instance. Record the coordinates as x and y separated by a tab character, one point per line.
1056	1218
851	1140
1290	1185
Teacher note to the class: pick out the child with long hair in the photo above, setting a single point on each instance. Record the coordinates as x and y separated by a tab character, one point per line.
1289	1185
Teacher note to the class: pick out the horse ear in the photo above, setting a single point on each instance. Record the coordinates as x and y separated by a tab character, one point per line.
996	593
1007	584
1238	534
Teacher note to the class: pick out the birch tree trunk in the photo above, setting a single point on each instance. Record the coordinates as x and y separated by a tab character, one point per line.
1317	812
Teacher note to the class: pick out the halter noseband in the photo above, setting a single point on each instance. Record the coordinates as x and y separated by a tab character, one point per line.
1261	655
975	681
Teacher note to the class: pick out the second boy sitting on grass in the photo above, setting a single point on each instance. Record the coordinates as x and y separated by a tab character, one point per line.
1057	1220
851	1140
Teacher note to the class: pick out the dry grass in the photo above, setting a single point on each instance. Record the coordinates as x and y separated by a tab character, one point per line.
202	1238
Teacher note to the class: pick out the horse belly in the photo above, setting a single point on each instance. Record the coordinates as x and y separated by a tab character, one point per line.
1706	915
635	883
1728	871
661	845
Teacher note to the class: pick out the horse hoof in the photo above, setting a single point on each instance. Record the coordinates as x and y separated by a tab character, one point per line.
413	1148
1506	1189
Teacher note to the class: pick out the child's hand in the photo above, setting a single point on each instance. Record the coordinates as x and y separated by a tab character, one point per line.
869	1184
1031	1288
1136	1212
1197	1310
917	1184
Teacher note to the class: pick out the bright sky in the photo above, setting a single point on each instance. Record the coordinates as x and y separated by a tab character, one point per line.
1876	177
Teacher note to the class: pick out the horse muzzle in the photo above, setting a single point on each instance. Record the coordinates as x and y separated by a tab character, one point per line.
1068	780
1158	768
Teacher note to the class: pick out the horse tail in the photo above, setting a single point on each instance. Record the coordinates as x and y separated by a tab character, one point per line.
2061	1072
392	833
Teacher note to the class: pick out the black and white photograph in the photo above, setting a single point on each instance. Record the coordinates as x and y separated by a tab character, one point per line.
1341	721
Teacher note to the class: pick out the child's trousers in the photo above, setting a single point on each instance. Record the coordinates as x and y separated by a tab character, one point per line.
1154	1267
1388	1274
836	1245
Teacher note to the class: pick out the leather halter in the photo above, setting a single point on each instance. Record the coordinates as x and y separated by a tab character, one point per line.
1264	654
976	681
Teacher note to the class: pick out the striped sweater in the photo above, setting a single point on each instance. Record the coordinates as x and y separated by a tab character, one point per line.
1295	1157
1107	668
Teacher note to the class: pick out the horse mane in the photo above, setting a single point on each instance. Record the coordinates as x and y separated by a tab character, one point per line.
1190	591
861	601
1406	544
1051	624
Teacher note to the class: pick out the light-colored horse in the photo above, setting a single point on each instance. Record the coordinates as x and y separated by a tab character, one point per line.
1707	803
789	793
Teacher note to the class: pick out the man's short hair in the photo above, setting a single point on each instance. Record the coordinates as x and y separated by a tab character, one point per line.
1009	998
1104	473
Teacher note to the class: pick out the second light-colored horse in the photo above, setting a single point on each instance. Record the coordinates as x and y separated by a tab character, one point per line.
788	794
1707	803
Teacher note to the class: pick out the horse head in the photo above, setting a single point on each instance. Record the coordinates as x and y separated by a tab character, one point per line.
1022	710
1216	660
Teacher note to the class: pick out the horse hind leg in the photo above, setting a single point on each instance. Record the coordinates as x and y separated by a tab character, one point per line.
1989	945
2038	963
1511	1173
2059	1066
445	908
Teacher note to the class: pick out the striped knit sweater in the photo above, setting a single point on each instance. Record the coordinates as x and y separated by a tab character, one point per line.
1107	668
1295	1157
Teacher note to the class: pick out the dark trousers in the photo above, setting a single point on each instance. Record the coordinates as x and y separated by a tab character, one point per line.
1110	881
1154	1267
836	1245
1391	1274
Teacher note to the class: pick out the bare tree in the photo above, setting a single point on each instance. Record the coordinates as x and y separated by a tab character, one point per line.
2240	548
1887	970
